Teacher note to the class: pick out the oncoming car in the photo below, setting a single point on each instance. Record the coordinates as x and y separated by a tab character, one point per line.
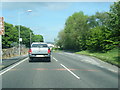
39	50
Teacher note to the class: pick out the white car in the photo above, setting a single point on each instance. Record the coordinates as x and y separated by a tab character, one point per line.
39	50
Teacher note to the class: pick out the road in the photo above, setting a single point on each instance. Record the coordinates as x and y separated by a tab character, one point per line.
66	70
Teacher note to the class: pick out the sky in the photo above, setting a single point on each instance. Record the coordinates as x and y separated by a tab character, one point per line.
48	18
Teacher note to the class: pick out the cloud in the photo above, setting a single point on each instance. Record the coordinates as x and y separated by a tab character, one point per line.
34	5
57	6
21	5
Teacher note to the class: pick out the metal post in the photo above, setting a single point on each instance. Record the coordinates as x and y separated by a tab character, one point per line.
19	31
30	38
1	49
30	32
0	60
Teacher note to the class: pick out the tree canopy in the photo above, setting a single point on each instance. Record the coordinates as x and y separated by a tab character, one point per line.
99	32
11	37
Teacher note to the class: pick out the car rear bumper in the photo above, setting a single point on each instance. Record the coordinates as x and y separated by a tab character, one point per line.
39	55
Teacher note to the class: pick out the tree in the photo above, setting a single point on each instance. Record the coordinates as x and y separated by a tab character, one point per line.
37	38
98	40
25	35
114	22
10	36
99	34
76	31
99	19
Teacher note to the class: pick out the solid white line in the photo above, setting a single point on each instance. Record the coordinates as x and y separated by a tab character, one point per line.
9	68
55	59
112	70
101	66
70	71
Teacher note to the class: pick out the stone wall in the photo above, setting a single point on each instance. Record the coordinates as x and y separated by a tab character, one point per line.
11	52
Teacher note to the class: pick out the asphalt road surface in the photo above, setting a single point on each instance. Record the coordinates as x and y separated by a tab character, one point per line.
66	70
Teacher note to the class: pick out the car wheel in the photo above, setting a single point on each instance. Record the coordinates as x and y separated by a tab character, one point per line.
30	59
49	59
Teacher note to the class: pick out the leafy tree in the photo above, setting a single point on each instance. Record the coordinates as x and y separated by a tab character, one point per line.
10	36
99	40
37	38
99	19
60	40
114	22
75	31
99	33
25	35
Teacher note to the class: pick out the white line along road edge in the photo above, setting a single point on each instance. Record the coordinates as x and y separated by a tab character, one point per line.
9	68
55	59
70	71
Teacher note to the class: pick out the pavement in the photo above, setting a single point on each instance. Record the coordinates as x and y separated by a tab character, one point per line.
66	70
12	60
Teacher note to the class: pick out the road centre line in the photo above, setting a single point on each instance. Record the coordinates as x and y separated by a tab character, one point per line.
70	71
55	59
9	68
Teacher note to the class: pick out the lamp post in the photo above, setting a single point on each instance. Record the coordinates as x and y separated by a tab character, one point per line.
30	32
20	39
30	38
19	30
29	10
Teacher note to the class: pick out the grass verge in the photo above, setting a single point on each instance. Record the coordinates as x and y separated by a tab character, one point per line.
111	56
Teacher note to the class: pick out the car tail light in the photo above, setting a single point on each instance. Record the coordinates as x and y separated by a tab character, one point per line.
30	51
48	50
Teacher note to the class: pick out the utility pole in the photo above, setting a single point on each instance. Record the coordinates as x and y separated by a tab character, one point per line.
30	38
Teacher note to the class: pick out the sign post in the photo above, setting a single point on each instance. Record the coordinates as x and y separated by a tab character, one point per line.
1	26
1	33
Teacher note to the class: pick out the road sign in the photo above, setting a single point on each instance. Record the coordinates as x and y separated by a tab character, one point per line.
1	26
20	39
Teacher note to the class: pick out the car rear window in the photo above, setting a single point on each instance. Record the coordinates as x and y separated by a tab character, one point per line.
39	45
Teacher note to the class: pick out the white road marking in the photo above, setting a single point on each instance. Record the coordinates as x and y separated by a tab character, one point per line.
101	66
85	59
61	53
91	61
70	71
55	59
9	68
112	70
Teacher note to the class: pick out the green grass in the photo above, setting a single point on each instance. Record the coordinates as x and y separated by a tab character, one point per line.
110	56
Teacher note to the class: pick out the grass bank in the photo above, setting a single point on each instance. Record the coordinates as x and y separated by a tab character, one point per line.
111	56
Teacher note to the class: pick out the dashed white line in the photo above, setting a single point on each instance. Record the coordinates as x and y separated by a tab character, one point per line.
55	59
9	68
70	71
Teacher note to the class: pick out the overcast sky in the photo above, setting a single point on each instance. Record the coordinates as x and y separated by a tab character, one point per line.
48	18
